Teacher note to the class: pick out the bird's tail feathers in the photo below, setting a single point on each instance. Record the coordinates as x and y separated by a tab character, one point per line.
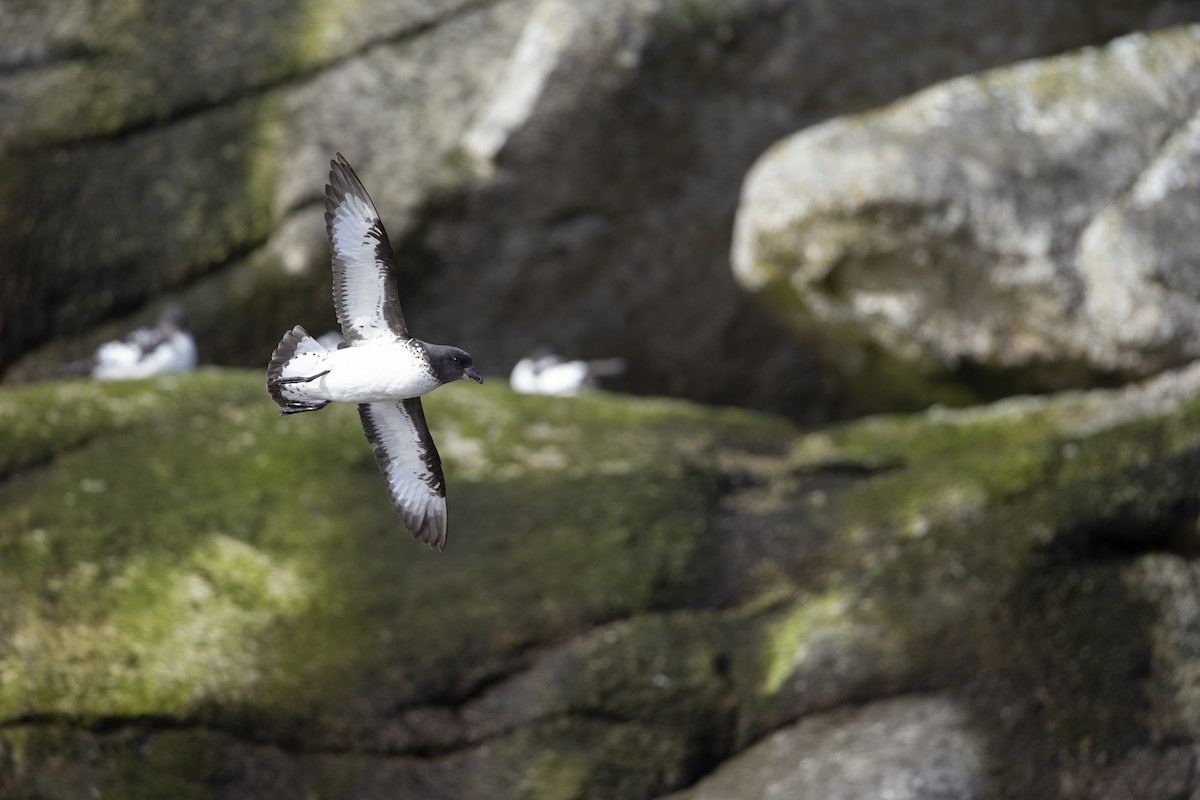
297	354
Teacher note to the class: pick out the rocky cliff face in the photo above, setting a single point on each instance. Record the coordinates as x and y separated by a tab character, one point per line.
200	597
641	598
573	166
1025	229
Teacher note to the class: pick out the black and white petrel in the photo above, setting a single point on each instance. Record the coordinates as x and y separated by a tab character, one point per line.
545	372
145	352
378	365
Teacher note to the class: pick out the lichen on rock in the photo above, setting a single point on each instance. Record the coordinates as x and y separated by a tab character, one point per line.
636	592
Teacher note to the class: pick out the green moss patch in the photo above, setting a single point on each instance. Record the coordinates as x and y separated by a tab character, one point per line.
176	548
182	568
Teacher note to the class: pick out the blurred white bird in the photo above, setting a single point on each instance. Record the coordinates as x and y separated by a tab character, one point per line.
167	347
544	372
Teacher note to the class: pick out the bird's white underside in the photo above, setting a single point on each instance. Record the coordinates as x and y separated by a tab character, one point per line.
364	373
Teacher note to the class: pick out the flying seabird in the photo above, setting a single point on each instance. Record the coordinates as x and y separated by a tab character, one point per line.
379	365
544	372
144	352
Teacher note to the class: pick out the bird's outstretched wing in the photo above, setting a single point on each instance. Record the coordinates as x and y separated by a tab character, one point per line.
410	463
364	273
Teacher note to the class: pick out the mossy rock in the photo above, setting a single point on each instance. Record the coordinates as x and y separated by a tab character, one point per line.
176	546
195	591
175	550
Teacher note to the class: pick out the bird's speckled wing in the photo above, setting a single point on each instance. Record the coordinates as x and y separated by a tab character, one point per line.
410	463
364	272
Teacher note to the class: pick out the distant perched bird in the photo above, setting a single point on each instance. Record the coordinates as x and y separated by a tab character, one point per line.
145	352
378	365
543	372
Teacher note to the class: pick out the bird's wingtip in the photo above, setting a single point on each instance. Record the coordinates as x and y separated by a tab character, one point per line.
435	536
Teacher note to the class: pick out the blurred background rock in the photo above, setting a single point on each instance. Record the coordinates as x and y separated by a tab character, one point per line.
576	167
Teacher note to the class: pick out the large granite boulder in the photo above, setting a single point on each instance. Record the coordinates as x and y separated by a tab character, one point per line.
200	598
1030	228
571	165
912	748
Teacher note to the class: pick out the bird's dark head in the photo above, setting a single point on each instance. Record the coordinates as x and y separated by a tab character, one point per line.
173	318
451	363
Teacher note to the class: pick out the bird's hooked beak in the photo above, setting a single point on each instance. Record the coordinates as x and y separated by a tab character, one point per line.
474	375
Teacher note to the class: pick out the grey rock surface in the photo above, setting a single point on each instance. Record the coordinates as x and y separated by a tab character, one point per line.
915	748
81	70
1137	259
1028	228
